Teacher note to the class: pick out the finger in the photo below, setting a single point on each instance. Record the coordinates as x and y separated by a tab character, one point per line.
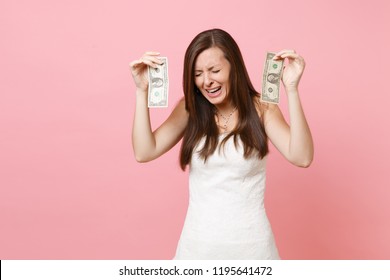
285	51
146	60
293	57
152	57
278	55
152	53
289	55
135	63
152	61
146	54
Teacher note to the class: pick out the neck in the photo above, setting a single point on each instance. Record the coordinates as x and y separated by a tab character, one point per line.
225	109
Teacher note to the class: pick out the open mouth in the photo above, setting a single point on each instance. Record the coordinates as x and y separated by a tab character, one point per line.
214	91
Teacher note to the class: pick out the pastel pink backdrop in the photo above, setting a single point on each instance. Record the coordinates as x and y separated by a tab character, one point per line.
70	187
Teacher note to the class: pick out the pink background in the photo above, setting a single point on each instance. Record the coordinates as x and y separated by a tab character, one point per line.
70	187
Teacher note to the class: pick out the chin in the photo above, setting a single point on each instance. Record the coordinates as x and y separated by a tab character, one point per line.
222	98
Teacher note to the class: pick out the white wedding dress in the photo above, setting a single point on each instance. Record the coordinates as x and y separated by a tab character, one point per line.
226	218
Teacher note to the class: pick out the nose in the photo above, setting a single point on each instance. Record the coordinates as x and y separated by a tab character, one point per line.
207	81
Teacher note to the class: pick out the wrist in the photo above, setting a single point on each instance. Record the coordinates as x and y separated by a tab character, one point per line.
141	92
141	95
291	90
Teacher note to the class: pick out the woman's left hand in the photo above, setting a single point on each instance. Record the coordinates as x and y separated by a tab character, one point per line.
293	71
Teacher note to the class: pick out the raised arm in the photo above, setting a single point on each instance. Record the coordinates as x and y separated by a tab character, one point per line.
148	144
294	141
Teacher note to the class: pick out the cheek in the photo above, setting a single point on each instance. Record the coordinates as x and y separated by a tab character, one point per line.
225	83
197	82
224	79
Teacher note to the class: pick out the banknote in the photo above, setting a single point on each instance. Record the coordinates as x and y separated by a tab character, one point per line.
271	79
158	85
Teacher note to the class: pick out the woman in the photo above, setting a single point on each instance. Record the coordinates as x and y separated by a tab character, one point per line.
225	130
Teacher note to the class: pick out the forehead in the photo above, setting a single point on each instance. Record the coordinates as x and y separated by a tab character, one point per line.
209	58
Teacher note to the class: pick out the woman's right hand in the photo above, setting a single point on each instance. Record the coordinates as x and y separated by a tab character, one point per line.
139	69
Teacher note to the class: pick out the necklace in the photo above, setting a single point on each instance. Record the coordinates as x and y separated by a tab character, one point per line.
226	118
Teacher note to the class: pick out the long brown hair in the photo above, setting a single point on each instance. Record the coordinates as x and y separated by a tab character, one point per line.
201	112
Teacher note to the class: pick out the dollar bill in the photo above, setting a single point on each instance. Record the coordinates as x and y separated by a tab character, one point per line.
158	85
271	79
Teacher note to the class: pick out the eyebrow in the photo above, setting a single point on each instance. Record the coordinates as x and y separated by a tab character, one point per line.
210	68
